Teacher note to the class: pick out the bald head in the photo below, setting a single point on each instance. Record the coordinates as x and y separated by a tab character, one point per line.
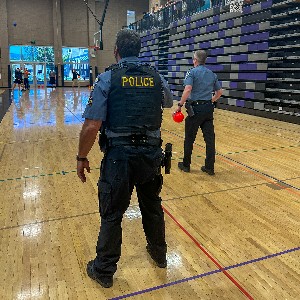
200	56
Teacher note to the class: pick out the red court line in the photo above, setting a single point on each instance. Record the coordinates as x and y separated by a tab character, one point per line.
209	256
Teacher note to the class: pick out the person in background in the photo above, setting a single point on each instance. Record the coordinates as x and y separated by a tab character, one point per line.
75	78
52	81
26	79
18	79
200	83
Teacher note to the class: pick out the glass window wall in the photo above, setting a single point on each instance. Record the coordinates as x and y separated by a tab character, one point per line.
76	59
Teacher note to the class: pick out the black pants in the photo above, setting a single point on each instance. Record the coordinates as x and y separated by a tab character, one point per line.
122	168
26	83
203	118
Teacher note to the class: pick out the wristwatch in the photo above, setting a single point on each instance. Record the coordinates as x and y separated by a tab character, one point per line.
81	158
180	105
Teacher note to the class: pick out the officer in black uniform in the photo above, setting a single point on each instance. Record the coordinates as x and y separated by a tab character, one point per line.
126	103
200	85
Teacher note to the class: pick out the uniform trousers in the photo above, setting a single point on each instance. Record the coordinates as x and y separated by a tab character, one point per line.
122	168
202	118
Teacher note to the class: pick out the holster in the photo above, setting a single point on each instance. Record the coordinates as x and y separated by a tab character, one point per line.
103	140
189	108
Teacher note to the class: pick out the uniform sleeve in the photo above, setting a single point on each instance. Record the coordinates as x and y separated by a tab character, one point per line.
96	108
188	80
217	85
168	97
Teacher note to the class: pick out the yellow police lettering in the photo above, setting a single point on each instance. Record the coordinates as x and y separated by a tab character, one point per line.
146	80
151	81
124	80
131	81
139	81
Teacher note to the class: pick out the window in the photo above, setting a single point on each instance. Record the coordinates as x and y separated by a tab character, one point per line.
31	53
77	59
130	17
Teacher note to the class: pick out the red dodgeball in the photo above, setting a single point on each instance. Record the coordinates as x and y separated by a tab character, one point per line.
178	117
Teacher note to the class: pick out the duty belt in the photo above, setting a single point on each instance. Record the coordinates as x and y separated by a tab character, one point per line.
134	140
200	102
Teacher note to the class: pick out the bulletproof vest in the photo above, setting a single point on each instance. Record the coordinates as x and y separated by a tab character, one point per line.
134	102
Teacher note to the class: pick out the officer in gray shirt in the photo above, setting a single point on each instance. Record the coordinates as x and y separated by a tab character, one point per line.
126	103
200	84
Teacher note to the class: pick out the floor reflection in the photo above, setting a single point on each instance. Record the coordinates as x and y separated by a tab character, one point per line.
47	107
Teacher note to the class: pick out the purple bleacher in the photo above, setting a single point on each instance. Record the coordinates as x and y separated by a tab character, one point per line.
229	23
217	51
211	60
254	37
239	57
215	68
252	76
221	34
233	85
216	19
249	95
213	27
205	45
258	46
228	41
247	10
195	31
179	55
249	28
202	22
240	103
248	67
266	4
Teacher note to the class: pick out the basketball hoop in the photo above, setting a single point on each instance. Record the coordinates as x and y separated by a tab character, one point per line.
93	50
94	47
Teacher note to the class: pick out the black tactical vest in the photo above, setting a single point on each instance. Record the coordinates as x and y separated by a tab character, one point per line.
134	102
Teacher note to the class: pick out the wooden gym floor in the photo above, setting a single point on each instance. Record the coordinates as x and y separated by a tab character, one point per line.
232	236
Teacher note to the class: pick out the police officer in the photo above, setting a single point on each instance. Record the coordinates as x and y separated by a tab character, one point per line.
199	83
126	103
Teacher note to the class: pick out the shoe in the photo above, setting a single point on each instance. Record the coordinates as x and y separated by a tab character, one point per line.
105	281
161	262
208	171
183	168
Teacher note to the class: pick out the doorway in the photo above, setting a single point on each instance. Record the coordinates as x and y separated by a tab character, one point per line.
37	73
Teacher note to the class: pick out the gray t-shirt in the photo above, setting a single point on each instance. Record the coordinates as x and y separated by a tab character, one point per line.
203	81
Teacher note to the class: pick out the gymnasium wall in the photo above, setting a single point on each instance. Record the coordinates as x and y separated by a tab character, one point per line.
61	23
257	64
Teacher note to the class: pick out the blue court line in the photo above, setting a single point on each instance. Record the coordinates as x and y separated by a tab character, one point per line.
248	262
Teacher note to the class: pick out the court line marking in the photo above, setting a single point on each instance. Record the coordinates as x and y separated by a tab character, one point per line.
131	205
248	169
255	122
248	262
214	260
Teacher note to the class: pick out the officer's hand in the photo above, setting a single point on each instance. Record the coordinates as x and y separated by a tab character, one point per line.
81	165
176	111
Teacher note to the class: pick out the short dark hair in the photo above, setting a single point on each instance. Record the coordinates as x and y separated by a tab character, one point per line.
128	43
201	56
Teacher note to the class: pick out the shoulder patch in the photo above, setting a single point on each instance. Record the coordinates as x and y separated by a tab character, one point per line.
90	101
